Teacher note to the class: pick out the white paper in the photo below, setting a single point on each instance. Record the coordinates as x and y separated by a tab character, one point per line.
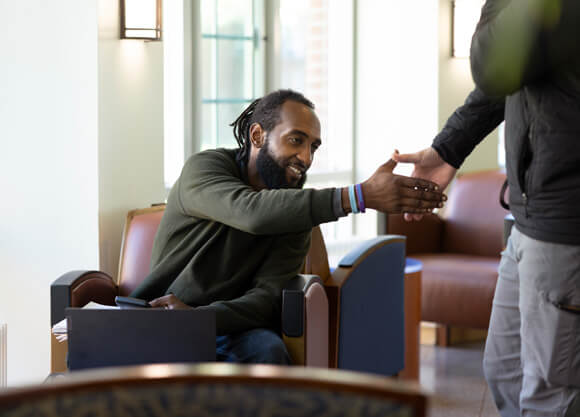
59	330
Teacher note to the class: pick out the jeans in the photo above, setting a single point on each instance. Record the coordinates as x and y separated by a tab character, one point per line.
532	353
253	346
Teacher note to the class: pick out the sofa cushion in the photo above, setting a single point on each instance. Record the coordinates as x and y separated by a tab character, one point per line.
458	289
473	215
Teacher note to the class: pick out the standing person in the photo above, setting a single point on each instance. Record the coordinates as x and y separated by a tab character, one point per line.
237	224
525	60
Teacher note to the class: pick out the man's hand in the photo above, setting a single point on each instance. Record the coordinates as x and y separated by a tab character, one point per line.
430	166
390	193
170	302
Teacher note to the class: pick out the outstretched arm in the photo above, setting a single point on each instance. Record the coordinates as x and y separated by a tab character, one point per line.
210	187
464	130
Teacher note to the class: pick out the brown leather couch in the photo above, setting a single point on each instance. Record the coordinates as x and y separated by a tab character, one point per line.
460	251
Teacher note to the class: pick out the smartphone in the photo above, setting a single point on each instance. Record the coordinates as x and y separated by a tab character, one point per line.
130	302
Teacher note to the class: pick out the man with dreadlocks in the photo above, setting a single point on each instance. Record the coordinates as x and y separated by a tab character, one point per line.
237	224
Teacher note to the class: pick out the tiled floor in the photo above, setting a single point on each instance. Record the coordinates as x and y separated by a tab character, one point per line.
455	378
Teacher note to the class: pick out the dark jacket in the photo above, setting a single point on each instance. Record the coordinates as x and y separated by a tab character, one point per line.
525	62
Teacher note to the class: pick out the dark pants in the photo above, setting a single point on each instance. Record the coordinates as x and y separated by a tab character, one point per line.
253	346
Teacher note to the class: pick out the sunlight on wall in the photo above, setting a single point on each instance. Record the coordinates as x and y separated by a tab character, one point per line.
397	92
173	91
48	166
397	80
132	60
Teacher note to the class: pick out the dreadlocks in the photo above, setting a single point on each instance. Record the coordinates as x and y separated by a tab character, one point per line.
266	112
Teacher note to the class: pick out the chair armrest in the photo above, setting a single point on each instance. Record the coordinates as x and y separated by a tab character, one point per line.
77	288
305	320
365	296
424	236
364	249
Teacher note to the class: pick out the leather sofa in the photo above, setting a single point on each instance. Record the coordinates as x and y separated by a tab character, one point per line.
460	251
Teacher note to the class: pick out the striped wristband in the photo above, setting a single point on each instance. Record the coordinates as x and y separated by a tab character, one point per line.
360	198
352	198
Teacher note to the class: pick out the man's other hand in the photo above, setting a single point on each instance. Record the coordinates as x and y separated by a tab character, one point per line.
428	165
390	193
170	302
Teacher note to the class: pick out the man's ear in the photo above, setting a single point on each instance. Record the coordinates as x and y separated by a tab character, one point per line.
257	135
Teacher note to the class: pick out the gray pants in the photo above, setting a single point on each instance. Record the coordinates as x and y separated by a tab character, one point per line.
532	352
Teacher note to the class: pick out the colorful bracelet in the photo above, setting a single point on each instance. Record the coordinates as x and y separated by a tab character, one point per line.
360	198
352	198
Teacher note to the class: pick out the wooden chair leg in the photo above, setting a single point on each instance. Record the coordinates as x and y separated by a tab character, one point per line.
442	335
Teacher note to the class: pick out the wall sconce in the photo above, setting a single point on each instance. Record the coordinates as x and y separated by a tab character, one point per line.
466	14
141	19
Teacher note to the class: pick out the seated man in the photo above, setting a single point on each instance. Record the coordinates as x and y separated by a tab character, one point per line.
237	224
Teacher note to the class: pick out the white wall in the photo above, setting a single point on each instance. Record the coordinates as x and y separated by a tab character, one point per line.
407	82
130	129
81	133
396	79
48	165
396	83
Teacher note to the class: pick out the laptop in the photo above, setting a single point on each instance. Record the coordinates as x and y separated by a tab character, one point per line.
99	338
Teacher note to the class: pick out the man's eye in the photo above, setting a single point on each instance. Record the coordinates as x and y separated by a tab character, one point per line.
314	148
295	140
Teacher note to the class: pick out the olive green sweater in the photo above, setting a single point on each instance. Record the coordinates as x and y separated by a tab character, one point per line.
223	246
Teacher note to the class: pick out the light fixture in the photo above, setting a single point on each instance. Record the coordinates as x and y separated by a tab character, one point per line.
141	19
465	17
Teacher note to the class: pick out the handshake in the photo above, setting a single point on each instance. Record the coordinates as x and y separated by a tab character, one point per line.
414	196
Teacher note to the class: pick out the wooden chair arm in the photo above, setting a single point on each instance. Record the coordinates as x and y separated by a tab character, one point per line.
305	321
77	288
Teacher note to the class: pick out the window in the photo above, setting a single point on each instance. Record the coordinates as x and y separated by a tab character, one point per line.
214	66
316	58
232	65
369	67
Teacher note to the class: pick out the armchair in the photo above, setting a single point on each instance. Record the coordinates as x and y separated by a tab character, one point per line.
366	303
360	307
460	252
305	307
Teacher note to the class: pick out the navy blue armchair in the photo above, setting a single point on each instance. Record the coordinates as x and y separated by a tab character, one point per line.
366	304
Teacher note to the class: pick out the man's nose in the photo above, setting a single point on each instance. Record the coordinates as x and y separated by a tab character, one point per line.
305	157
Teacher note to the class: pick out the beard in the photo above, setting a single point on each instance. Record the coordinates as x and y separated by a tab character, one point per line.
272	173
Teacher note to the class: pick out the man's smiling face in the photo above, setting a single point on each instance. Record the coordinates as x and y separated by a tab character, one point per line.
288	149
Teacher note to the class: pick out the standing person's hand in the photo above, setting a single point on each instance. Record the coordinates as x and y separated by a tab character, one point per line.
391	193
428	165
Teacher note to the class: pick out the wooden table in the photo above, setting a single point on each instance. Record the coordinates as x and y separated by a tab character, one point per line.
413	270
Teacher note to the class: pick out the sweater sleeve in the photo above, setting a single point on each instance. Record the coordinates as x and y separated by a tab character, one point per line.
261	306
210	188
468	126
517	42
